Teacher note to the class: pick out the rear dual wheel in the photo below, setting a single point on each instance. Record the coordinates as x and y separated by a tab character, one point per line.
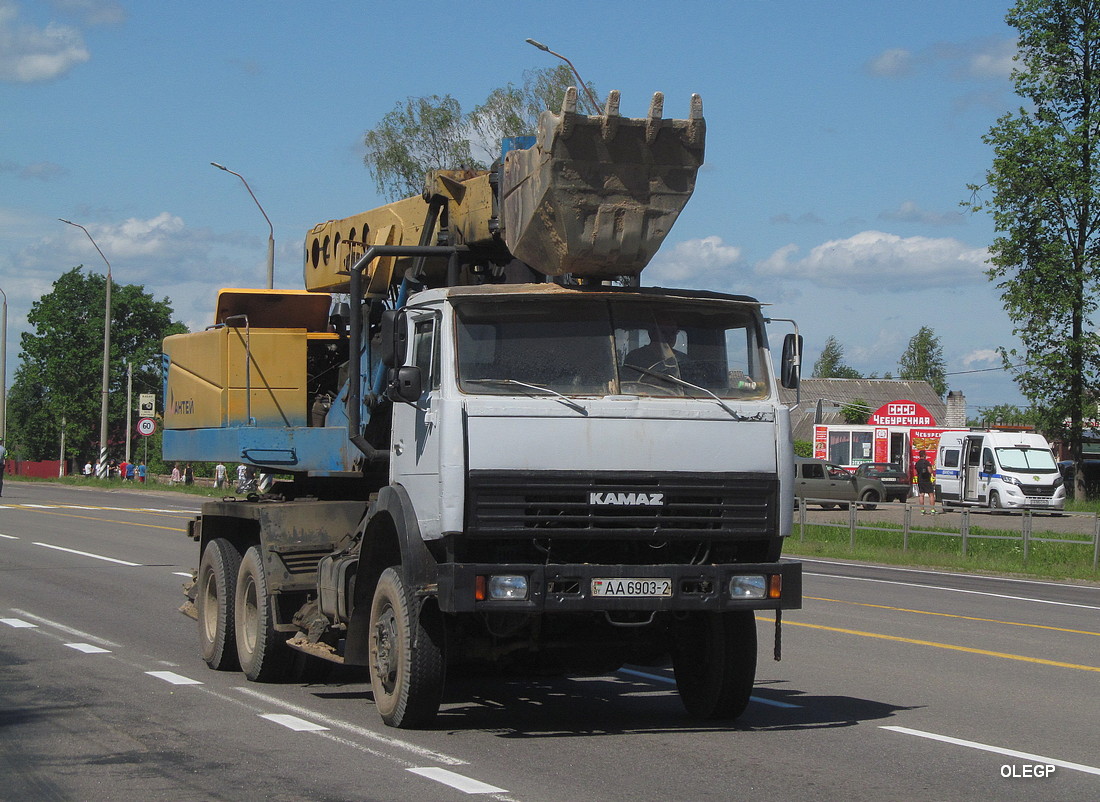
217	587
261	650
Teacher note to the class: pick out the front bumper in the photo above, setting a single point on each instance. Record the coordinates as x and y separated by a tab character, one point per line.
568	588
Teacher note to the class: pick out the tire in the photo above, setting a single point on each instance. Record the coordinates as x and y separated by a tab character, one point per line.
714	660
217	584
995	501
827	506
261	650
870	499
407	680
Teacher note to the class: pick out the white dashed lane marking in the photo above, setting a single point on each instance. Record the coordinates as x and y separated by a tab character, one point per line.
173	677
293	722
88	648
458	781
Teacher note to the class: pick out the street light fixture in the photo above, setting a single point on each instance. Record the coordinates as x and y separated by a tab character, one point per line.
271	234
591	98
101	465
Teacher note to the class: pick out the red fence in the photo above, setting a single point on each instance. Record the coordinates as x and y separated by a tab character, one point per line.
45	469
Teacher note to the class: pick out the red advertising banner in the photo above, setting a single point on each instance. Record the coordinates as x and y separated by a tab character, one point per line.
901	413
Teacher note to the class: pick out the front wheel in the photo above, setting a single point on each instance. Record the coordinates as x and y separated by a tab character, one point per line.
262	650
407	659
870	499
714	660
217	585
995	501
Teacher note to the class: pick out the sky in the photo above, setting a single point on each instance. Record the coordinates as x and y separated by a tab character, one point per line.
841	139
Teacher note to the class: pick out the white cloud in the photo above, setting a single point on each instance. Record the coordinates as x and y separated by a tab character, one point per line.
30	55
983	357
892	63
693	262
874	259
134	238
910	212
978	59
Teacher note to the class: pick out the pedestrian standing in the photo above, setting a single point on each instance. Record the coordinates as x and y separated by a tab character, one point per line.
141	473
189	475
130	471
175	478
87	469
242	474
926	489
122	470
219	476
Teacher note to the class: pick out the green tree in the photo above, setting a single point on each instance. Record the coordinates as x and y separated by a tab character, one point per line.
923	361
417	136
830	365
1003	415
432	133
61	361
1045	183
856	412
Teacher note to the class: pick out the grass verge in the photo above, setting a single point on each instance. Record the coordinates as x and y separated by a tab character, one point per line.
988	551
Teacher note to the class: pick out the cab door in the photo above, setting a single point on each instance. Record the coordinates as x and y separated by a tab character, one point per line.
974	486
414	459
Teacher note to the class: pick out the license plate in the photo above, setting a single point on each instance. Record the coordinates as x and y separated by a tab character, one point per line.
631	588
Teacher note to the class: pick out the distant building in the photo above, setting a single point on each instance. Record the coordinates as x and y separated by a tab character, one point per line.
820	401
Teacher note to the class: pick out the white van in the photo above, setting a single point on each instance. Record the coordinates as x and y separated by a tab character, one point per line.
1010	470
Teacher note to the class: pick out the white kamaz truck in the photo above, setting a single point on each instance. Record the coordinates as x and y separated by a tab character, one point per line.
496	448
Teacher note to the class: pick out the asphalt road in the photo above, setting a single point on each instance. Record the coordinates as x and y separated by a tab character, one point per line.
894	684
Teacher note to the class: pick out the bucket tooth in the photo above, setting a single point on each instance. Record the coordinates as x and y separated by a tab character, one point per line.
568	117
653	121
696	129
610	122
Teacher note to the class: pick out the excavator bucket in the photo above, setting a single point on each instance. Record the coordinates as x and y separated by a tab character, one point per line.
596	195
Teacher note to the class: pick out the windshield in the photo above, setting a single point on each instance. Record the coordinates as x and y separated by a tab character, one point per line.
1039	460
608	346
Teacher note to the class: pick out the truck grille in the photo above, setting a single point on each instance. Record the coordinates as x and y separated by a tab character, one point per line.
620	505
1038	491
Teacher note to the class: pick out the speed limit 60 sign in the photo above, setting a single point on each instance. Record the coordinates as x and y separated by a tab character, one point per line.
146	426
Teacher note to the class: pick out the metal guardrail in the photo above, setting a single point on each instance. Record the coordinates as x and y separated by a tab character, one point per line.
1025	518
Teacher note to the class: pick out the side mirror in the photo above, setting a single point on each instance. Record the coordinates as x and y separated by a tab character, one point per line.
394	337
987	467
790	369
407	385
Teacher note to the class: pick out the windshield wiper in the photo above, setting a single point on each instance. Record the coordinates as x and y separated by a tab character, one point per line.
569	402
677	380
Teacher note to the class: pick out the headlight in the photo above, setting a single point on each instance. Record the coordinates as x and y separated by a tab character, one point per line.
749	586
1012	480
507	587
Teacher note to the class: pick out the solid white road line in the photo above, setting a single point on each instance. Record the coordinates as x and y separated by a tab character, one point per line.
173	677
956	590
670	681
457	781
70	630
293	722
1052	761
9	537
88	554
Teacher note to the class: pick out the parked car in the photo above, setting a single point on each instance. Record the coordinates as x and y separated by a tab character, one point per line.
831	485
898	485
1091	473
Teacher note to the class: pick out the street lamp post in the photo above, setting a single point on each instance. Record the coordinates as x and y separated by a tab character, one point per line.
591	98
4	368
101	466
271	228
